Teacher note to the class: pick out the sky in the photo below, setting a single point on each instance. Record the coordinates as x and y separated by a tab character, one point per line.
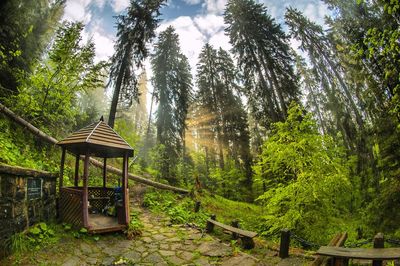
196	22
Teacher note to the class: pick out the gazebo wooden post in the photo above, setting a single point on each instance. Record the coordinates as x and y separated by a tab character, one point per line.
85	210
105	173
60	184
76	181
125	188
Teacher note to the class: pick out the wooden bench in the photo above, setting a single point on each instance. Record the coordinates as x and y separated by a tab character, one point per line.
245	236
342	255
337	241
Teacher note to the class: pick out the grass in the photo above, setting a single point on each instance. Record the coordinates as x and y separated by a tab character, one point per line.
180	209
228	210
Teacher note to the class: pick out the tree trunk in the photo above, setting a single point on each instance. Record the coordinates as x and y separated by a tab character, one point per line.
117	90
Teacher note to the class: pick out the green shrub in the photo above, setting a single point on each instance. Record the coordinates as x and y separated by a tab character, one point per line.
179	210
135	226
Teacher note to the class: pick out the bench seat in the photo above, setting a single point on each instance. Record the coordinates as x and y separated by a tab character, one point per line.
360	253
232	229
245	236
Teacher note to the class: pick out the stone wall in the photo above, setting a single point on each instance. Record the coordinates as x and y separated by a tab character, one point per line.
26	197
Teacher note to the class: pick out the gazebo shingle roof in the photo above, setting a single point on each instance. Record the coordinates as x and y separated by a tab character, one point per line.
99	139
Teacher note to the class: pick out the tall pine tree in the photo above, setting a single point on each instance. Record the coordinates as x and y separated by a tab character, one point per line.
221	120
134	30
172	83
264	56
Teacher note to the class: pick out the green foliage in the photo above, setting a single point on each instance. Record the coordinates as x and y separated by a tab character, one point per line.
220	122
18	148
126	129
18	243
179	210
36	237
227	210
48	97
135	226
41	235
306	175
228	181
26	29
158	160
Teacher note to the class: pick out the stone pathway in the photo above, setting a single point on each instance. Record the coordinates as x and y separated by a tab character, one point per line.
160	244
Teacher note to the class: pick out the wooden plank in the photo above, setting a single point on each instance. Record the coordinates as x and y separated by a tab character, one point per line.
85	214
321	260
61	180
360	253
76	179
233	229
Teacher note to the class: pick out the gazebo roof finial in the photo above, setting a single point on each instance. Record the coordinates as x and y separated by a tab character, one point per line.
102	118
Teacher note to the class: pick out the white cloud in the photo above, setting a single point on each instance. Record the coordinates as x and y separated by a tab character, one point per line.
220	40
104	46
215	6
76	10
103	41
209	24
119	5
192	2
100	3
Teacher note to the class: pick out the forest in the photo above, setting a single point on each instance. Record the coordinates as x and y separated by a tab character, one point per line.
312	135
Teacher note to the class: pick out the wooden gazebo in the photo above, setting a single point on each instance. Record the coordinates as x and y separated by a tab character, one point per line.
84	206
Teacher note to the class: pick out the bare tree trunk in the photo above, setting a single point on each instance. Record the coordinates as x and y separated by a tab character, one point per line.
117	90
51	140
151	110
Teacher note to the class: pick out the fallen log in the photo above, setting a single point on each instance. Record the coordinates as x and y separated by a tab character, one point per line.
37	132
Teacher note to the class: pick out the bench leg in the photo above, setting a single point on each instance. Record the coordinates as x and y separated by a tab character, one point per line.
340	262
247	242
209	227
235	224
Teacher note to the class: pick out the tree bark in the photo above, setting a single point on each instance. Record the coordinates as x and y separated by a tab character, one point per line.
117	90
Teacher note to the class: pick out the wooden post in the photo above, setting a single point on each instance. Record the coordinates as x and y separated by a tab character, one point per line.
197	206
125	189
235	223
105	173
284	245
247	242
85	211
76	181
60	184
379	242
210	226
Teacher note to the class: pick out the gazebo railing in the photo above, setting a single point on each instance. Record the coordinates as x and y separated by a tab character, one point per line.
70	206
100	197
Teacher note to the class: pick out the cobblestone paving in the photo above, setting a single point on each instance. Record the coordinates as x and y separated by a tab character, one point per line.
159	244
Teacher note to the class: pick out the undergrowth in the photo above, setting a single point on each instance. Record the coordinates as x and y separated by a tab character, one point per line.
135	226
36	237
179	209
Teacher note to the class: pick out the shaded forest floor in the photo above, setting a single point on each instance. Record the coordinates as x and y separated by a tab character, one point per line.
160	244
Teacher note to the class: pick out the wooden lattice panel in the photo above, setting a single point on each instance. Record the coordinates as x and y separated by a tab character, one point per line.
99	197
70	206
